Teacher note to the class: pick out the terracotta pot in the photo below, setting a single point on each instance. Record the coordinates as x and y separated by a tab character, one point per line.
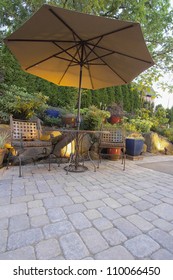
114	153
69	120
115	119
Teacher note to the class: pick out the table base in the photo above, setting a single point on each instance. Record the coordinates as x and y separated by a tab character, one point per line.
73	168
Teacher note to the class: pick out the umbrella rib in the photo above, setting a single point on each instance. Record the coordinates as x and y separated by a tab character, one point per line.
99	57
62	58
60	19
66	51
109	67
69	65
47	58
88	68
41	40
94	46
123	54
65	24
111	32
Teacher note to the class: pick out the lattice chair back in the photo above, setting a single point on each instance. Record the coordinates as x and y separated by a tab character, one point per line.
112	135
25	130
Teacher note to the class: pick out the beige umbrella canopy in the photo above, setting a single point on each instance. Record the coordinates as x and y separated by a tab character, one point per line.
69	48
55	42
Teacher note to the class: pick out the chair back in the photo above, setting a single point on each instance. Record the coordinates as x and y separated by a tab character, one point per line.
25	130
112	135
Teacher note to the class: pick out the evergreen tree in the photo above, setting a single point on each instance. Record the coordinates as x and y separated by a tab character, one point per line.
86	99
118	95
126	98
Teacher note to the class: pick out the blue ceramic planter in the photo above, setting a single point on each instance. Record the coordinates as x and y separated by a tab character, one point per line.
52	113
134	146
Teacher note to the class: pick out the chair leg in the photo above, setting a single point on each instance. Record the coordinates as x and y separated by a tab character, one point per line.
92	161
124	159
8	158
20	167
49	164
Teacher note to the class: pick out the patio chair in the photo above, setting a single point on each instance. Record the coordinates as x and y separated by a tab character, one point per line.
112	138
26	140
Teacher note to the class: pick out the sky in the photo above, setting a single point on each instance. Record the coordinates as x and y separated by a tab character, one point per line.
165	98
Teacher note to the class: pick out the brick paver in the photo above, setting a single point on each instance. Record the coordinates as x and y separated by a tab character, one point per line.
107	214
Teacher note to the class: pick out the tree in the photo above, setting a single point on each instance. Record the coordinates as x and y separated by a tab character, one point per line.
156	21
118	95
170	115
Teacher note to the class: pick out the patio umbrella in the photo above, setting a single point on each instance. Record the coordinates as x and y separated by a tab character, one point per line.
69	48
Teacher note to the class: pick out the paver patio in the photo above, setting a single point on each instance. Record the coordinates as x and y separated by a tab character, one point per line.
108	214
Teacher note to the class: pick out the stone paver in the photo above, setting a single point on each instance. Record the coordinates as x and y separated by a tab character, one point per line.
18	223
141	223
56	214
127	228
162	224
12	210
163	238
73	247
141	246
4	223
36	211
3	240
114	236
24	253
94	241
74	208
93	195
57	229
114	253
92	214
162	254
57	201
47	249
24	238
108	214
164	211
102	224
111	202
79	221
39	221
126	210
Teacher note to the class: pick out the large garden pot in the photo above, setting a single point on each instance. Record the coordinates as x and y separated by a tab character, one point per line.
53	113
114	153
69	120
134	146
115	119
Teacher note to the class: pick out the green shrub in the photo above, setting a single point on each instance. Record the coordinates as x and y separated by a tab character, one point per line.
18	102
169	134
93	118
51	121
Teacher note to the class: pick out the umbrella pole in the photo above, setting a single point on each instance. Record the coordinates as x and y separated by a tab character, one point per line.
78	119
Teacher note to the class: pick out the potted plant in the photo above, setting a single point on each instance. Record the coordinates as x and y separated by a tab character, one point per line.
3	139
116	112
134	144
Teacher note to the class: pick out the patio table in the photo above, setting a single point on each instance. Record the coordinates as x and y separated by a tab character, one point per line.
76	158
